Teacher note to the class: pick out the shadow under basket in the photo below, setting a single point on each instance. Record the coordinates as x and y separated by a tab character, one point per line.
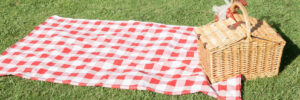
251	48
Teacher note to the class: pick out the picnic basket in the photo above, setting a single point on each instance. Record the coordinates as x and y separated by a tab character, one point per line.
252	48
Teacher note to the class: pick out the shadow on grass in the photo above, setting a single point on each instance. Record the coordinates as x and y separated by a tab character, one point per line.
291	51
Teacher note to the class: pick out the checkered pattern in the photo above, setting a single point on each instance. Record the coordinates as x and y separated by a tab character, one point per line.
115	54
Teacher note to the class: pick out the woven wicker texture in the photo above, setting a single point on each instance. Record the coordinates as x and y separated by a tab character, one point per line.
251	48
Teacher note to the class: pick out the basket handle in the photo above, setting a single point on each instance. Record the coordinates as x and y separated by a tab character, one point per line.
245	14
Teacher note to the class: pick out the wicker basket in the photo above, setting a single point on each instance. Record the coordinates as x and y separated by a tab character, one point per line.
252	48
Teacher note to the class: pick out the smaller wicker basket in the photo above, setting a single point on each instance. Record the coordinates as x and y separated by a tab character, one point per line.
251	48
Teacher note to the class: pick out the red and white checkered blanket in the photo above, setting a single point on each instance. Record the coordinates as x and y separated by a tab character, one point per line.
115	54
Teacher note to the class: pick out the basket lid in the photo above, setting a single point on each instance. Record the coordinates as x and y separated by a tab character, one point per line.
262	30
218	34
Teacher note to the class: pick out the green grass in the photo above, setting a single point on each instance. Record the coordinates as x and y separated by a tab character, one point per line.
19	17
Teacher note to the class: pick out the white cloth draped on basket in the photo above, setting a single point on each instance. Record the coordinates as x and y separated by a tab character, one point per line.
114	54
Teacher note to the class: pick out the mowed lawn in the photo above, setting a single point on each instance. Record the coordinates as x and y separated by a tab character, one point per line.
19	17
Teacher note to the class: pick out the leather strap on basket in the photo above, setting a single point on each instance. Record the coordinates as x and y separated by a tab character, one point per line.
245	14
